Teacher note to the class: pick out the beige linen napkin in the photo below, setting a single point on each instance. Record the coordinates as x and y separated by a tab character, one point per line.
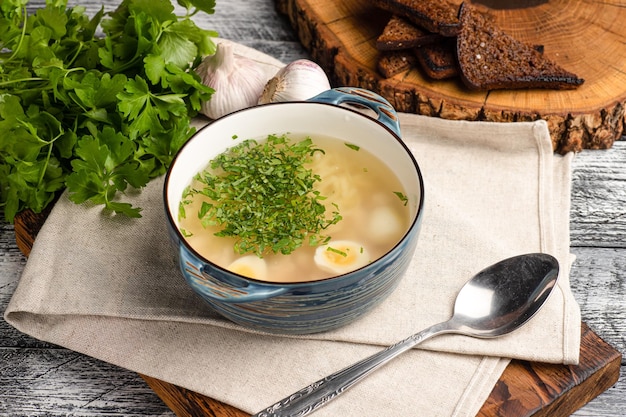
109	287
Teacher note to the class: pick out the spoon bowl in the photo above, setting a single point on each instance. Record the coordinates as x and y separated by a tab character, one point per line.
504	296
496	301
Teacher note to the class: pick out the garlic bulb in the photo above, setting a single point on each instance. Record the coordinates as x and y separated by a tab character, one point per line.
237	81
298	80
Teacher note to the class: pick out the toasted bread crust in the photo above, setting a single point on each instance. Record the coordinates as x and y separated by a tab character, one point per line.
485	57
436	16
391	63
491	59
438	61
401	34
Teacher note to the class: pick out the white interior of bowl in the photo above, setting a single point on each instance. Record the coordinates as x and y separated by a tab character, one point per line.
300	117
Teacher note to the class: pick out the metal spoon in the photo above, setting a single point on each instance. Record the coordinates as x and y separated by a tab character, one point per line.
496	301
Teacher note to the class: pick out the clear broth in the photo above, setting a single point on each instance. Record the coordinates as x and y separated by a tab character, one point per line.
362	186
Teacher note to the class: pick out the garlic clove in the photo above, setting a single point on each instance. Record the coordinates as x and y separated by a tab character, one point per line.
298	80
238	81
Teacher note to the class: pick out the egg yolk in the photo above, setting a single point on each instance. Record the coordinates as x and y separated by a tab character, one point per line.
244	270
340	256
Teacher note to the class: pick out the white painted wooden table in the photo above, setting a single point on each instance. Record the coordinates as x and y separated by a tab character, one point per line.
39	379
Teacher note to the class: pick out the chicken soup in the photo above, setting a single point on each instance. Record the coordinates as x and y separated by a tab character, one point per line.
291	208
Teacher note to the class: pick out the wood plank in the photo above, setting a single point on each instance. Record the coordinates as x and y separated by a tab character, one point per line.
583	37
24	359
43	382
598	277
545	390
598	286
525	389
598	217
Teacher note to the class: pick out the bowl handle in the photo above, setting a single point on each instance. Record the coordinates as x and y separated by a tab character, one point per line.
223	290
386	113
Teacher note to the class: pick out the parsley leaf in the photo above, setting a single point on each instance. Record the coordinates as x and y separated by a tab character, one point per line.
207	6
106	163
95	115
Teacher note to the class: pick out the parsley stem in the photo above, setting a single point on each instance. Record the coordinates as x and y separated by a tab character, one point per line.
76	55
45	166
22	36
121	119
137	58
21	80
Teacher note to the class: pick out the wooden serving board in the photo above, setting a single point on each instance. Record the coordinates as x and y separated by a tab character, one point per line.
525	389
586	38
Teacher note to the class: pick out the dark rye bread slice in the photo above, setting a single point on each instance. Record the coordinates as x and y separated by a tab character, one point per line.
400	34
436	16
490	59
391	63
438	61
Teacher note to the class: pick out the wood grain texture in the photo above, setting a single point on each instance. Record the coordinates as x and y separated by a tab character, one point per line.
546	390
598	215
48	374
525	389
583	37
39	379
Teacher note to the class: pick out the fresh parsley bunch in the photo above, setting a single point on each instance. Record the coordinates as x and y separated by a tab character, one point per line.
95	113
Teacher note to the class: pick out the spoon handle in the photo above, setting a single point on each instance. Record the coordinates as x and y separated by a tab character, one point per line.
319	393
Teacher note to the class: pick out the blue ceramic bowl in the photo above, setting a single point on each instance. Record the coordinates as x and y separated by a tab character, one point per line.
299	307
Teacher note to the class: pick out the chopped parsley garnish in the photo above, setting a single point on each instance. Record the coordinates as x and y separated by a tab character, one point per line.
263	195
337	251
402	197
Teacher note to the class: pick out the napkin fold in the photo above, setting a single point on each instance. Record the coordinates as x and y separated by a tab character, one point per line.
109	287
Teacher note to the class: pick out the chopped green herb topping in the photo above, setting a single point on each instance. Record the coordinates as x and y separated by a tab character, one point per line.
262	194
402	197
337	251
353	147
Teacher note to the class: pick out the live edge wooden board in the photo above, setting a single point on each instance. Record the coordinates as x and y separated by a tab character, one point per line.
525	389
584	37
